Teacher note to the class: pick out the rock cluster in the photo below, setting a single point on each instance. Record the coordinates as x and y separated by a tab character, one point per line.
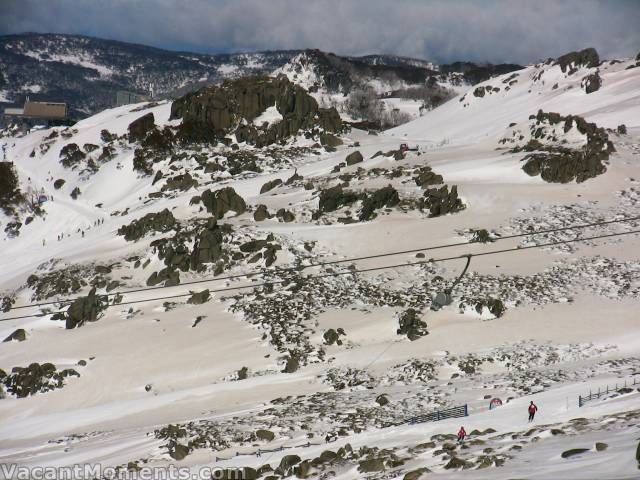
214	112
572	61
152	222
559	164
84	309
34	379
219	202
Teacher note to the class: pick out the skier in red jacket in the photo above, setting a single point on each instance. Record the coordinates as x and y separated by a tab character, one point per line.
532	411
461	434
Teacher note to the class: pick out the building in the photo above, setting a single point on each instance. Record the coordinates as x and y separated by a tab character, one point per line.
39	111
125	98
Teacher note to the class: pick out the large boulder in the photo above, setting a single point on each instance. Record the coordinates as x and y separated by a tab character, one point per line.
354	157
18	335
208	245
140	127
222	201
84	309
411	325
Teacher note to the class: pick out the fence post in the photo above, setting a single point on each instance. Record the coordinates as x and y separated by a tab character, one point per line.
579	401
466	411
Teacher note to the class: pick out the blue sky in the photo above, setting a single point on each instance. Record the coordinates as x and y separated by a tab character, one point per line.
444	31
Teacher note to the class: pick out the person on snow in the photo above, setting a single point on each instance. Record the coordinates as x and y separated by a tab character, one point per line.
461	434
532	411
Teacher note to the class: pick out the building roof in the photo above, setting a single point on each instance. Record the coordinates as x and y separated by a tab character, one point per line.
44	110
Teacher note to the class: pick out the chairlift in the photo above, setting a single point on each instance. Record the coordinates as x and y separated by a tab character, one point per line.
444	298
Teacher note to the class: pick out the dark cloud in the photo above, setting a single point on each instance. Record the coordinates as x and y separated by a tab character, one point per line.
442	30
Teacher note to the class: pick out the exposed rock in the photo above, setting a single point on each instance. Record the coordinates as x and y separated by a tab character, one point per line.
417	474
481	236
558	164
152	222
270	185
181	182
622	129
75	192
382	400
199	298
601	447
572	452
285	215
332	336
71	155
36	378
411	325
384	197
441	201
456	463
208	245
179	452
266	435
222	201
592	83
426	177
354	157
140	127
289	461
261	213
574	60
214	112
326	139
59	183
333	198
84	309
371	465
19	335
292	364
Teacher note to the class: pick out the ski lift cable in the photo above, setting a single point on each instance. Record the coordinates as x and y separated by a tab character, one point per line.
354	271
330	262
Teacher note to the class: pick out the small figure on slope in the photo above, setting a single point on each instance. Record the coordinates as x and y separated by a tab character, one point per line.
532	411
461	434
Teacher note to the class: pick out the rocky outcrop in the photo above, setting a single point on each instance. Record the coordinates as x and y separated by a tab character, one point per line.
592	83
572	61
141	127
335	197
411	325
71	155
34	379
152	222
217	111
559	164
208	246
84	309
441	201
261	213
383	197
426	177
19	335
221	201
270	185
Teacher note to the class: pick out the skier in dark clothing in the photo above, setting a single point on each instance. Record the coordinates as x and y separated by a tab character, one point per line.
532	411
461	434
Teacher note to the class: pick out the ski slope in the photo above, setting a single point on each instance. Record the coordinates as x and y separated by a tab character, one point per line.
574	331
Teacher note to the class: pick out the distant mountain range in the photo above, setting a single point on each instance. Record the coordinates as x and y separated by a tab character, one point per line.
87	72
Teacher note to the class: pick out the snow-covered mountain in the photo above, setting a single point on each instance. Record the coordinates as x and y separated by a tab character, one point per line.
223	315
87	72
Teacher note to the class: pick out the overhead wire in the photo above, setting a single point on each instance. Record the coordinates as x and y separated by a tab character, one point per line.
327	263
356	271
